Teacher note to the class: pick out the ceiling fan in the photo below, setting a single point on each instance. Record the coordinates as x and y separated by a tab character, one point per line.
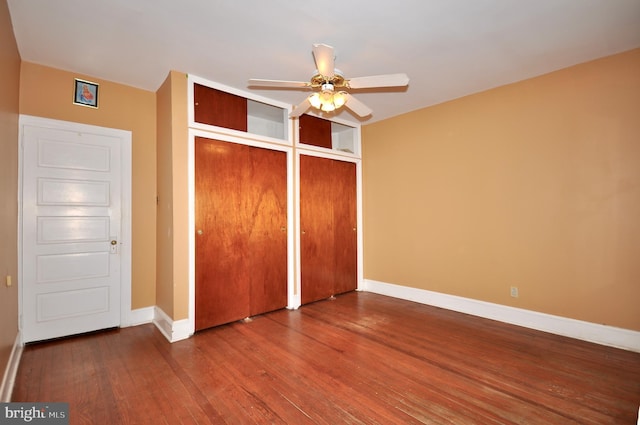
330	86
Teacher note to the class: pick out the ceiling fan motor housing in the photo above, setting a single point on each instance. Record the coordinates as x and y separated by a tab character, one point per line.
337	80
327	89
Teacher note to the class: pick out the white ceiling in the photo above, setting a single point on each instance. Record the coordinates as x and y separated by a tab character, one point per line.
449	48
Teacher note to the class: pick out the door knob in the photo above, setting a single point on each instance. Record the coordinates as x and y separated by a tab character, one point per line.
199	232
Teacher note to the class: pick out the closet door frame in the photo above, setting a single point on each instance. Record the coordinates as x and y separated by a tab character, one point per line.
193	133
359	233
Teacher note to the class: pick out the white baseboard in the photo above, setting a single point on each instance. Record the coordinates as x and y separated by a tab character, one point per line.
172	330
140	316
586	331
9	377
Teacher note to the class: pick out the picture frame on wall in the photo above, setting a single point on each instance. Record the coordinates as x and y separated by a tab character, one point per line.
85	93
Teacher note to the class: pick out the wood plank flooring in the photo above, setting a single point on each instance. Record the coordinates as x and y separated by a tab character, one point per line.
359	359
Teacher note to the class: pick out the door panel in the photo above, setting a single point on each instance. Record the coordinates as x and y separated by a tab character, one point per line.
69	304
316	239
241	250
315	131
72	229
267	239
222	290
71	214
345	226
222	109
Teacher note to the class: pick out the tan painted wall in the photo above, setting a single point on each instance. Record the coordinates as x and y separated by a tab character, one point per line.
164	228
9	97
173	213
48	92
179	155
534	184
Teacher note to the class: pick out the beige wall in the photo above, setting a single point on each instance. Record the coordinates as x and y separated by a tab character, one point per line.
164	178
534	184
48	92
9	83
172	229
179	131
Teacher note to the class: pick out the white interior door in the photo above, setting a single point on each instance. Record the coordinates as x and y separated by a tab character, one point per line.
71	231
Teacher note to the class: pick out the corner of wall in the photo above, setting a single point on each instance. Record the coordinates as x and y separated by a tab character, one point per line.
173	330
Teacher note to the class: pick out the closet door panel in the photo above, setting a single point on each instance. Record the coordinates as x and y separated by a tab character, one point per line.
222	276
315	131
215	107
316	221
266	215
345	226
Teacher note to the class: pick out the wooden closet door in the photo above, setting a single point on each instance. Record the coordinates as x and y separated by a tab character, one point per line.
316	227
241	252
345	226
222	109
314	131
267	230
328	242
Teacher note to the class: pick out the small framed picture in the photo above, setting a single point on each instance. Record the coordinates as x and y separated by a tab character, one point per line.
85	93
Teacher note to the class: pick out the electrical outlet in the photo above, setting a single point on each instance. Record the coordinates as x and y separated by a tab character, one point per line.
514	291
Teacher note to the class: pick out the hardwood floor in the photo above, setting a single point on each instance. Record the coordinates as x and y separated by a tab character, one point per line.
359	359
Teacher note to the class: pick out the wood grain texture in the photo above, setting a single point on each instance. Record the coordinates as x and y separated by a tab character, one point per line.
315	131
359	359
345	223
222	109
317	249
241	238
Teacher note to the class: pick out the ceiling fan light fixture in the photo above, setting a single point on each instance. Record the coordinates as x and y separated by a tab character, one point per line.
314	100
328	107
339	99
327	99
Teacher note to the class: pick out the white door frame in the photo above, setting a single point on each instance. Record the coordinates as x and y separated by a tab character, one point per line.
125	238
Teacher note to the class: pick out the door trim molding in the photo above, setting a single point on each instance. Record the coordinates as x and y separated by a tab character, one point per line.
126	166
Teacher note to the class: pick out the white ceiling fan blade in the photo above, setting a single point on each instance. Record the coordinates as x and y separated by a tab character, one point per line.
300	109
387	80
356	106
278	83
324	58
